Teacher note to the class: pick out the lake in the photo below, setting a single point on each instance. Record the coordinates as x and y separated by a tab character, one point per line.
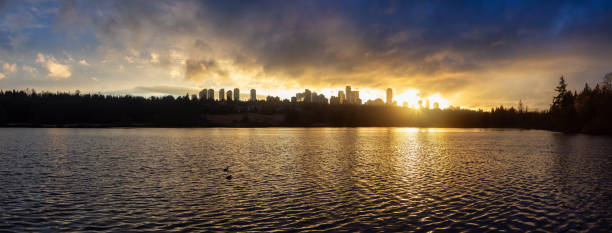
306	179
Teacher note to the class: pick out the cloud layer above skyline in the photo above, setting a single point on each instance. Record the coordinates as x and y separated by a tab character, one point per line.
474	53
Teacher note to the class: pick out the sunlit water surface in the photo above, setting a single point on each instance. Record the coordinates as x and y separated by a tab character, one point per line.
330	179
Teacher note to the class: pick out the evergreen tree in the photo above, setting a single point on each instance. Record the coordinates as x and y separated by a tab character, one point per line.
563	110
561	93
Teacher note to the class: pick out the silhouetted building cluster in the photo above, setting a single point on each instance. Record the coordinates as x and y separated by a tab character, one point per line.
351	97
346	96
209	95
587	111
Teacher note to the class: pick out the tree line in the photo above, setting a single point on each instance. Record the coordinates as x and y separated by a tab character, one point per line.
588	111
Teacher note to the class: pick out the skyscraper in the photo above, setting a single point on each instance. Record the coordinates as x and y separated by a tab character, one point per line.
389	96
307	96
323	99
229	95
355	97
211	94
236	94
314	97
203	94
348	95
221	94
334	100
341	97
253	95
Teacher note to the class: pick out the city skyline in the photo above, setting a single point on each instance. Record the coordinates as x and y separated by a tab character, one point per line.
409	99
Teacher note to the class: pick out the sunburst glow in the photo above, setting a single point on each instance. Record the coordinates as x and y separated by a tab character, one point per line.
411	99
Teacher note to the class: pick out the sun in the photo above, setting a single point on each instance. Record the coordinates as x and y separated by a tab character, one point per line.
437	98
411	99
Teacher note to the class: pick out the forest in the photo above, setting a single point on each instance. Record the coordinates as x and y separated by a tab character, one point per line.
587	111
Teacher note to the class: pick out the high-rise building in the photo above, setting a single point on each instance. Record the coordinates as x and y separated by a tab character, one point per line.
341	97
221	94
322	99
211	94
236	94
307	96
355	97
334	100
229	95
427	104
348	95
194	97
203	94
314	97
253	95
436	105
389	96
275	99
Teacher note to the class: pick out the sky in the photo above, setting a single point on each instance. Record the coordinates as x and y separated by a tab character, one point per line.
475	54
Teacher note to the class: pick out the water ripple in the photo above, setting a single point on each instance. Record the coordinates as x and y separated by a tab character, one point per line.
328	179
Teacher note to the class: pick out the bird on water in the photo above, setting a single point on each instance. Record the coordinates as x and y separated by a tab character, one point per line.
226	169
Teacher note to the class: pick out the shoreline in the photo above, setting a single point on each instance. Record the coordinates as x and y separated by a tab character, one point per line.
229	126
80	125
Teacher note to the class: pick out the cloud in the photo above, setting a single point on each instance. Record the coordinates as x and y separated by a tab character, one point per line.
57	70
29	69
2	76
154	58
83	62
199	70
313	43
9	68
40	58
452	48
129	59
54	68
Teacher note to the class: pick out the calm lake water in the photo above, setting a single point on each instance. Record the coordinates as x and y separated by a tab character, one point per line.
319	179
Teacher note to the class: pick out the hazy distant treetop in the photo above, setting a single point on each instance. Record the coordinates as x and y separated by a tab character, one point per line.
608	80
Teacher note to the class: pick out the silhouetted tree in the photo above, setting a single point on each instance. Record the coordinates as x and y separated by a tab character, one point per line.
562	109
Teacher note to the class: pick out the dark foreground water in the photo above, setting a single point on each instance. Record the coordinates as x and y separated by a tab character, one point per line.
329	179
